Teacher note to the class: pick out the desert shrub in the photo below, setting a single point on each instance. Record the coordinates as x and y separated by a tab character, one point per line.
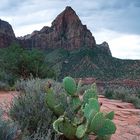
39	135
138	93
6	80
109	94
134	99
124	94
29	108
4	86
8	129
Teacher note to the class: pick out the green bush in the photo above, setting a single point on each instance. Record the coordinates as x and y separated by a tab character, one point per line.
4	86
17	62
8	129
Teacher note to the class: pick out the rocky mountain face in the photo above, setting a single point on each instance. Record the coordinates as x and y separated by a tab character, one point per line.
7	35
104	47
66	31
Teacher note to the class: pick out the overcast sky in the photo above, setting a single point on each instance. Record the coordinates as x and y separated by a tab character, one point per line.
114	21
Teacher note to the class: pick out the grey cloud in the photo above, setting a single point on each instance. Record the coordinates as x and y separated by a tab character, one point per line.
8	5
118	15
18	7
29	12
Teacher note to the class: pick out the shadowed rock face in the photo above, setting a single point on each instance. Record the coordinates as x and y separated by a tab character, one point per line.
7	35
105	48
66	32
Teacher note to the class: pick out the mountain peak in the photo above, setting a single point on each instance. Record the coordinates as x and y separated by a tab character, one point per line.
68	8
68	15
67	31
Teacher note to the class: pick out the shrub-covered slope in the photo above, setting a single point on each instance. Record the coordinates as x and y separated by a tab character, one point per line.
92	63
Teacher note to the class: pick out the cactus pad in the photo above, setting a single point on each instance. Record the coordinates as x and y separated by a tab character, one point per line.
70	85
75	103
97	122
91	108
53	104
107	129
81	131
90	93
102	126
63	126
110	115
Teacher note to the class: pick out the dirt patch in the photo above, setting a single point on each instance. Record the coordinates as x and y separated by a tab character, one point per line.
6	98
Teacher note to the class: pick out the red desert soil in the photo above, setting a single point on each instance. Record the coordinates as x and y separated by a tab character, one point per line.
127	118
6	98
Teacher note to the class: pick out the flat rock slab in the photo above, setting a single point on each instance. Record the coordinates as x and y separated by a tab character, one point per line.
127	119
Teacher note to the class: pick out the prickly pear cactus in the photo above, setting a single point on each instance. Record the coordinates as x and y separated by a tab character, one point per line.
82	116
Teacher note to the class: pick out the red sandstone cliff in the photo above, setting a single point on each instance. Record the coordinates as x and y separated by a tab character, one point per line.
66	31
